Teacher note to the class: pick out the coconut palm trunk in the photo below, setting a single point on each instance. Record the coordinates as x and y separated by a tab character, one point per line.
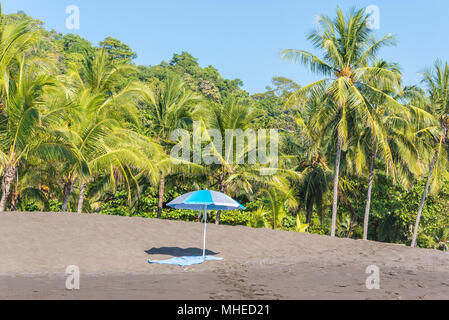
336	178
161	196
222	190
368	197
309	211
8	177
423	199
218	218
14	198
67	189
81	197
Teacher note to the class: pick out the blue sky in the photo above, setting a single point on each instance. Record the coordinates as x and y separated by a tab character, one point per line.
243	38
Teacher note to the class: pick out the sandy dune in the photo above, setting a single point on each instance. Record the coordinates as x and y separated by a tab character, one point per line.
112	254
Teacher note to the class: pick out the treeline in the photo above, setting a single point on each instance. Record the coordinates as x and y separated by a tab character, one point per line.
84	129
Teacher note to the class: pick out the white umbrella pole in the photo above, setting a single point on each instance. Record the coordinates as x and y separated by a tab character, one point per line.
205	230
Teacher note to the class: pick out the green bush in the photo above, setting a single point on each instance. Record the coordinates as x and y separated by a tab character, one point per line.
435	215
32	206
146	207
393	212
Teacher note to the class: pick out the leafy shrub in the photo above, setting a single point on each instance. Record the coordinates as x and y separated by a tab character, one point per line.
393	212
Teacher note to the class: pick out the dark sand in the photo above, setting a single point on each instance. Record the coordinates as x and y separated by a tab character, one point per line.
112	254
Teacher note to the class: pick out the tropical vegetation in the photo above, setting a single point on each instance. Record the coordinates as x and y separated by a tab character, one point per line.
84	129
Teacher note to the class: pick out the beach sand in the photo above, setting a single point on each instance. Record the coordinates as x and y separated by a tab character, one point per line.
112	254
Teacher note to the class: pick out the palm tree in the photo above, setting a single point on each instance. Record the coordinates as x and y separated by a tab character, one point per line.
314	186
25	131
437	83
258	218
229	171
348	47
279	197
166	110
98	124
102	143
276	205
378	140
98	73
316	175
16	38
401	149
364	149
233	156
27	188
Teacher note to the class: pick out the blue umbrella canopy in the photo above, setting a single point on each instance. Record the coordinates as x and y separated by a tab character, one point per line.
202	201
205	199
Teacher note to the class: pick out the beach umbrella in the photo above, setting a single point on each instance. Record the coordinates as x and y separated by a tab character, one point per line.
202	201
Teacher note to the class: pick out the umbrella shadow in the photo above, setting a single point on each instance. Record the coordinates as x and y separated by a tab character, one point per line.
179	252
